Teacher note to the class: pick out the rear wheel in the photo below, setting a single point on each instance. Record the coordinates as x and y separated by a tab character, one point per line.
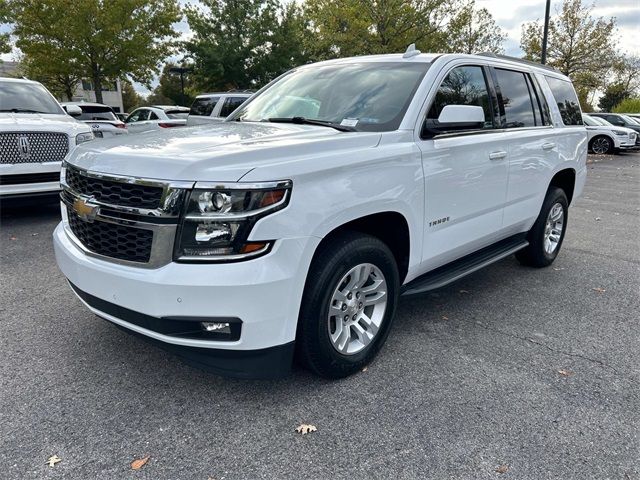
601	145
348	305
546	236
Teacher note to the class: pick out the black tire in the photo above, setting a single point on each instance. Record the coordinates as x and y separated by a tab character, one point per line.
332	262
535	254
602	143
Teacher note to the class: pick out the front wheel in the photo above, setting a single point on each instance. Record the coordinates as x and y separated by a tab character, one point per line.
601	145
348	305
546	235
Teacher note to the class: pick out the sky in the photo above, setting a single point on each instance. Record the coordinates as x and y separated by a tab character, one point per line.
510	15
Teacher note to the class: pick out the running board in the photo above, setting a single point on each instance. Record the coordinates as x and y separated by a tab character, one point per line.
457	269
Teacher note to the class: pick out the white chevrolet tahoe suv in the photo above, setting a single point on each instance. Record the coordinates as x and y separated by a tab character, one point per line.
296	224
35	136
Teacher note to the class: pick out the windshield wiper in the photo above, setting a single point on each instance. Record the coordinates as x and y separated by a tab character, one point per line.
20	110
308	121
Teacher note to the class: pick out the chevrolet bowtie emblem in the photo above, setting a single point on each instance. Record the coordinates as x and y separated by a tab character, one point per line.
85	210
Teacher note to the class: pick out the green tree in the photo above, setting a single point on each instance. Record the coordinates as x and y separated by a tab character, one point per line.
103	39
243	43
5	17
62	81
628	105
579	45
356	27
473	30
613	95
130	98
169	87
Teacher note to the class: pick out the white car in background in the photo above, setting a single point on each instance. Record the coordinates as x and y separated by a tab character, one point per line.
35	135
156	117
215	107
101	118
605	138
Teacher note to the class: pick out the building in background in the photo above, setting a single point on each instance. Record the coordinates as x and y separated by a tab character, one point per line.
111	94
111	91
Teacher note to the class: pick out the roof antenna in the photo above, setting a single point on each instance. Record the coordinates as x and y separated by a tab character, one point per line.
411	51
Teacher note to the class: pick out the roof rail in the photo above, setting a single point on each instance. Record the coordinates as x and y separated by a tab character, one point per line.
519	60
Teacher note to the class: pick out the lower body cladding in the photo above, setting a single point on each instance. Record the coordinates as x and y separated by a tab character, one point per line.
234	319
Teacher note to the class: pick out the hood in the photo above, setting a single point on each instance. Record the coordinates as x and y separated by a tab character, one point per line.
40	122
223	151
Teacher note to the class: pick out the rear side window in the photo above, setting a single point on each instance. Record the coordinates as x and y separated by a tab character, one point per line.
463	86
203	106
518	104
230	104
176	114
567	101
153	116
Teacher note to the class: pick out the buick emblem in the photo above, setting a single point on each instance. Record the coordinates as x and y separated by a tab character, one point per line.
85	210
23	147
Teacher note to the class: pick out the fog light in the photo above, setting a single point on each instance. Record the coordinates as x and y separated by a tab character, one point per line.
217	327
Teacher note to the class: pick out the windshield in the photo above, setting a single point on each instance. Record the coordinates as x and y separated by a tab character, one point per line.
601	121
630	120
366	96
96	113
23	97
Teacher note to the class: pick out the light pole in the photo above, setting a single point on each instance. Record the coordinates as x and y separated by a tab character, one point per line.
545	35
181	71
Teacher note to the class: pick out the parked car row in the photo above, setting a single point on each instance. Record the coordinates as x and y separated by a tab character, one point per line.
605	138
37	132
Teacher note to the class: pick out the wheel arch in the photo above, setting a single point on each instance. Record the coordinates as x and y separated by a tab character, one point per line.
565	179
391	227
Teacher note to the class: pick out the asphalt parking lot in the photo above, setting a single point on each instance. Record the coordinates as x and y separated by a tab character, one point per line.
534	373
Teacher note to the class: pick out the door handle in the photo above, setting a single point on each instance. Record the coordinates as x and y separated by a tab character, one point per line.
548	146
497	155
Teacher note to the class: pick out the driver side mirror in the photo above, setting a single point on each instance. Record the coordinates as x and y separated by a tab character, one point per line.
73	110
455	117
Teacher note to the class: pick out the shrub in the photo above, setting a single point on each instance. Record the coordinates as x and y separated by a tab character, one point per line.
628	105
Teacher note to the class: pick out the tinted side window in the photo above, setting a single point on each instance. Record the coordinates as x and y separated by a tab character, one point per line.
134	117
567	101
517	103
615	120
463	86
153	116
203	106
230	104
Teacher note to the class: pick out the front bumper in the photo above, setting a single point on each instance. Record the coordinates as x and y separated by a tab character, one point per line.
264	293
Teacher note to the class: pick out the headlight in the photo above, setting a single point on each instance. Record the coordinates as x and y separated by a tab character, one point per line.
84	137
619	132
219	219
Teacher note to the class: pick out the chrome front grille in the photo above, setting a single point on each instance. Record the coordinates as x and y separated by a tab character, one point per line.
33	147
121	219
114	192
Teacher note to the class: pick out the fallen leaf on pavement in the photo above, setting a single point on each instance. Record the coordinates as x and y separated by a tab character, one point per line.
502	469
558	269
464	291
364	369
139	463
304	429
12	238
53	460
597	219
565	373
599	290
444	317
